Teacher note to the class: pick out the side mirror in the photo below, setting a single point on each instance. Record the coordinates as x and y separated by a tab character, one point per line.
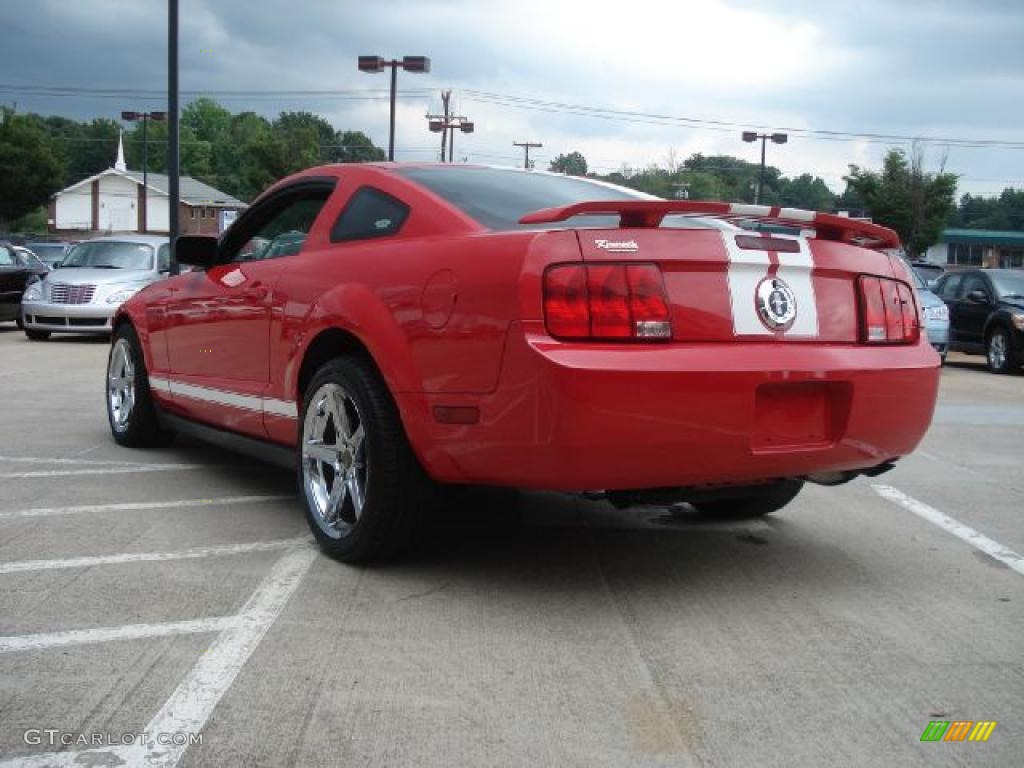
977	296
196	250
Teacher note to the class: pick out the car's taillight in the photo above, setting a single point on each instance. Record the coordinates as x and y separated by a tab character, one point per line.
606	301
888	311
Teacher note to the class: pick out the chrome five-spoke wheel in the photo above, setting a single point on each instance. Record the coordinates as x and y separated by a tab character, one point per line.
335	465
997	351
121	385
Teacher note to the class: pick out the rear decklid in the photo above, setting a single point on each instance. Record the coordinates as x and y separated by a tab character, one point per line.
730	283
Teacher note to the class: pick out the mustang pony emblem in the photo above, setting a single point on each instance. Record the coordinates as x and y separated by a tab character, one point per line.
776	304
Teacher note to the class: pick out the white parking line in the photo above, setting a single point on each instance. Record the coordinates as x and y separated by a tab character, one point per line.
979	541
97	462
45	640
141	505
121	470
195	698
18	566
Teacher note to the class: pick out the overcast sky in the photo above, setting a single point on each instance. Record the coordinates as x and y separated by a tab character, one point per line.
945	70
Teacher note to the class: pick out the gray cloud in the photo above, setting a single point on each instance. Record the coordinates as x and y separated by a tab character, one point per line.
918	68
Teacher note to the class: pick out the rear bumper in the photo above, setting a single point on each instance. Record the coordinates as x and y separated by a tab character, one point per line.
67	318
586	416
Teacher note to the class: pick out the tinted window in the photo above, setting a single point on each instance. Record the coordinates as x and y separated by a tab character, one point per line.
950	283
975	283
280	228
499	197
370	213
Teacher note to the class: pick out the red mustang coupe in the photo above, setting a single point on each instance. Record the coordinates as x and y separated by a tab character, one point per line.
388	329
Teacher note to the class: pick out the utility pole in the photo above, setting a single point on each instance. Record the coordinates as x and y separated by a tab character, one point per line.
446	124
526	145
445	96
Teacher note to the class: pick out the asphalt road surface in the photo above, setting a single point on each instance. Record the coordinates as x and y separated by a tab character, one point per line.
176	593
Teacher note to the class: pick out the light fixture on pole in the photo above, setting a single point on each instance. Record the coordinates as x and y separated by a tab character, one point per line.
374	64
446	124
145	117
776	138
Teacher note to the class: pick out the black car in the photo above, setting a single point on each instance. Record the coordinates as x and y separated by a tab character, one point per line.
16	270
986	314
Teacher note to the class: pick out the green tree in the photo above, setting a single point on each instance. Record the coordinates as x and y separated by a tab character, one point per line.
805	191
30	170
357	147
573	164
902	196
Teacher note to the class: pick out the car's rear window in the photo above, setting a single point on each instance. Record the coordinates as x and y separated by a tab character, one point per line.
499	197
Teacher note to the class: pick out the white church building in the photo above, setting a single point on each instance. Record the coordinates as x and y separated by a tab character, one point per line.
116	200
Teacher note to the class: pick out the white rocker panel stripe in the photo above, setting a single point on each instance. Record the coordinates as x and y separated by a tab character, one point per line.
268	405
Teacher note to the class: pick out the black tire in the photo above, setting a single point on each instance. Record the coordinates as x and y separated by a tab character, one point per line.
398	496
767	500
19	322
1007	362
37	335
141	428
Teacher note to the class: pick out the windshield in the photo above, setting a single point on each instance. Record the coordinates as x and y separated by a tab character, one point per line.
110	255
1009	284
47	253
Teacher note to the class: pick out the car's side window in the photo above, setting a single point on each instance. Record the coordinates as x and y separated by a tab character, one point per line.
975	283
949	285
369	213
281	229
7	257
163	258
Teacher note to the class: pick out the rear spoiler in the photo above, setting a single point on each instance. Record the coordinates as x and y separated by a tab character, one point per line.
649	213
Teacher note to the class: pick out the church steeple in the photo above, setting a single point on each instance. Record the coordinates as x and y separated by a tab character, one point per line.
119	163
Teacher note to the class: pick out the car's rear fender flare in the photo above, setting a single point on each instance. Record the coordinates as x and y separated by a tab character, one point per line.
354	318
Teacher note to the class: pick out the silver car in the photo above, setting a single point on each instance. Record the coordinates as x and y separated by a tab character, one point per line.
936	316
92	281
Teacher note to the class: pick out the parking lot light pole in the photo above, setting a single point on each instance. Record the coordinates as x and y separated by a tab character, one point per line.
173	192
373	64
776	138
145	117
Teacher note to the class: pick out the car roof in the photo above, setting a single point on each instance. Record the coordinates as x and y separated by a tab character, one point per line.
130	238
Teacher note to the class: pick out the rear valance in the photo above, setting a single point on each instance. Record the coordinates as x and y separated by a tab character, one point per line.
649	213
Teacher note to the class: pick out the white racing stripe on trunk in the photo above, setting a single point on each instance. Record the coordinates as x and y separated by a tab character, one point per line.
748	267
979	541
46	640
195	698
796	269
142	505
19	566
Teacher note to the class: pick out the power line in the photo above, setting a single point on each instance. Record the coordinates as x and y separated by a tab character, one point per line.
527	145
520	102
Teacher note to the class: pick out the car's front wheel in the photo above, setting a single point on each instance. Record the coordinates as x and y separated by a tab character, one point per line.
1000	353
764	501
364	491
130	407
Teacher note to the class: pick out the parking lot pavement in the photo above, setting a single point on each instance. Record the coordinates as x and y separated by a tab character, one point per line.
176	593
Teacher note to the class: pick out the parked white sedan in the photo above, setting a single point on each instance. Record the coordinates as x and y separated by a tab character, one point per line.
92	281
